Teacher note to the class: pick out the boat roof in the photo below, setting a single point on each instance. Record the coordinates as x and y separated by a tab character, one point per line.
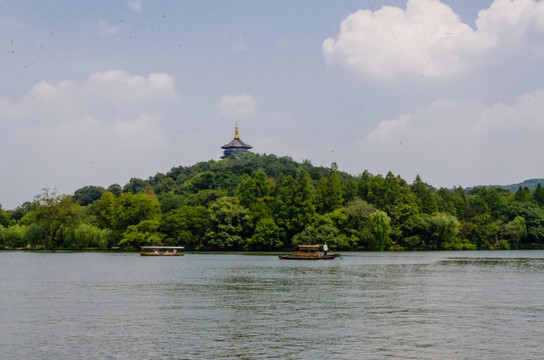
162	247
308	247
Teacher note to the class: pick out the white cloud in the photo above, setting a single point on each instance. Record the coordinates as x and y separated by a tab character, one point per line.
145	130
118	86
502	15
46	91
461	143
135	5
241	105
429	39
67	134
106	29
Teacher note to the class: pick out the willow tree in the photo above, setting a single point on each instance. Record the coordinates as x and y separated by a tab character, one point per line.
379	224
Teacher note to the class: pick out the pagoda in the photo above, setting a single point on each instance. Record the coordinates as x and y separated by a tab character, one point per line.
236	146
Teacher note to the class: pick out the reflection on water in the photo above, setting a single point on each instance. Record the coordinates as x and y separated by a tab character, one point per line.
484	305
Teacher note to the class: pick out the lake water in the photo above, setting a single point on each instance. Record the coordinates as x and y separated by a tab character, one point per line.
417	305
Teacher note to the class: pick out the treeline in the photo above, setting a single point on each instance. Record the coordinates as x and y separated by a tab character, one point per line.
262	202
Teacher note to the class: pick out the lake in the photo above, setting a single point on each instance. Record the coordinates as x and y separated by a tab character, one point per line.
415	305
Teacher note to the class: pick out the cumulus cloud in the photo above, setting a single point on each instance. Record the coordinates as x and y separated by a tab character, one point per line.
428	38
135	5
91	133
461	142
241	105
146	128
119	86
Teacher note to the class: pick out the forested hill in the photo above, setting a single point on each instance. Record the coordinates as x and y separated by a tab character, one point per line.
531	184
264	202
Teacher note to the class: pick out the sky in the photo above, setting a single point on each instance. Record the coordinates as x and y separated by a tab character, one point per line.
98	92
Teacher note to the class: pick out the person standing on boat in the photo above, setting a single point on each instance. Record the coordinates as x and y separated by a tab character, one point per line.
325	249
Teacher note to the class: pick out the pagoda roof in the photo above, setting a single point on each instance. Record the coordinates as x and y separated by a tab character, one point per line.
236	143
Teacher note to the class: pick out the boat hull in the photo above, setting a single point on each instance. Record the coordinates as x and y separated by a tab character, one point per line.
152	254
300	257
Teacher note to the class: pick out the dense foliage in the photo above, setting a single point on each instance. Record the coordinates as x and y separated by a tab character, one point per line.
262	202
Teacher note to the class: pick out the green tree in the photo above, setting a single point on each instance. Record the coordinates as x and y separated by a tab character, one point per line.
427	199
54	213
358	212
350	190
170	201
149	191
347	236
145	233
246	191
534	219
88	194
486	232
523	194
322	231
186	225
392	191
4	217
379	224
320	198
377	192
13	236
494	200
515	231
267	235
115	189
135	186
201	181
364	186
132	209
283	199
254	194
335	191
416	232
293	204
86	236
261	184
476	206
34	233
302	202
445	228
538	195
230	224
330	193
22	210
455	201
205	197
107	209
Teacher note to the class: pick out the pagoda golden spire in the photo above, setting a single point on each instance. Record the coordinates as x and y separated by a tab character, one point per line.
236	146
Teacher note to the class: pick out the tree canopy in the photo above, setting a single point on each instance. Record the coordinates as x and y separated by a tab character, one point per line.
264	202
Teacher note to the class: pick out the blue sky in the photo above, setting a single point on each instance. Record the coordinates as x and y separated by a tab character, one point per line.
94	93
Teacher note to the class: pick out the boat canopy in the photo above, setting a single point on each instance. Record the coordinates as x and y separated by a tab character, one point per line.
309	247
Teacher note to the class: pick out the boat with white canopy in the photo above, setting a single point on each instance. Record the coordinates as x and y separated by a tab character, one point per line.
161	250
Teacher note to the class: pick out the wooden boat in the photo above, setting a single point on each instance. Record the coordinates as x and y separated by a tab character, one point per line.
161	251
308	252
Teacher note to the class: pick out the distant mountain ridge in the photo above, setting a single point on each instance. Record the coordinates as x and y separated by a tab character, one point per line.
531	184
